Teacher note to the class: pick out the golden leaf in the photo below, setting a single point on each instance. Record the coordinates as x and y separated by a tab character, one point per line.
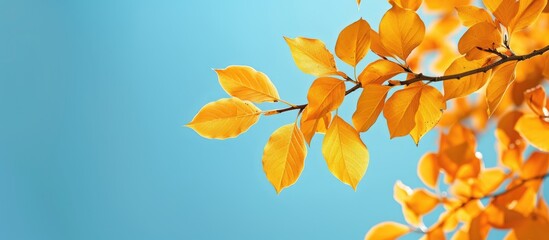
247	84
401	31
428	169
284	156
345	153
407	4
376	45
325	95
535	130
506	11
429	112
369	106
471	15
353	42
464	86
489	180
379	71
484	35
400	111
536	165
225	118
536	100
422	201
528	12
387	231
310	126
312	56
501	78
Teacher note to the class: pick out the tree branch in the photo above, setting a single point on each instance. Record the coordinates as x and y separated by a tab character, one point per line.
421	77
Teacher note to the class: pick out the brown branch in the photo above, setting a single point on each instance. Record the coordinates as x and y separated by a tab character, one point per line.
302	106
493	195
421	77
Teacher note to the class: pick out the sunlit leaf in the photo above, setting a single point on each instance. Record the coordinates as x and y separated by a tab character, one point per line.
225	118
401	192
501	78
466	85
429	112
489	180
535	130
528	12
401	30
379	71
387	231
369	106
428	169
536	165
309	126
345	153
312	56
484	35
400	110
536	100
422	201
376	45
325	95
284	156
353	42
247	84
506	11
471	15
408	4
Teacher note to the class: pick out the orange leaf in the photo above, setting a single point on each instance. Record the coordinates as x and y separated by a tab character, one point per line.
400	110
428	169
225	118
310	126
325	95
379	71
535	130
489	180
501	79
484	35
506	11
353	42
401	31
387	231
464	86
429	112
536	165
422	202
407	4
312	56
401	192
345	153
247	84
528	12
284	156
536	100
369	106
471	15
376	45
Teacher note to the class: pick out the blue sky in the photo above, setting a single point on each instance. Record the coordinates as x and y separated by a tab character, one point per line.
94	95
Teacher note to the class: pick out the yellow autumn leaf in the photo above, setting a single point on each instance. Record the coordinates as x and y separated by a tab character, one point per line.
536	100
401	192
387	231
466	85
325	95
400	111
379	71
484	35
422	201
528	12
310	126
429	112
471	15
369	106
489	180
376	45
536	165
506	11
428	169
225	118
353	42
247	84
408	4
345	153
501	79
492	5
312	56
284	156
401	31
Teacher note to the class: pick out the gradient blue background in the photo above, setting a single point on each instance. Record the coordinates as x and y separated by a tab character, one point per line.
94	95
